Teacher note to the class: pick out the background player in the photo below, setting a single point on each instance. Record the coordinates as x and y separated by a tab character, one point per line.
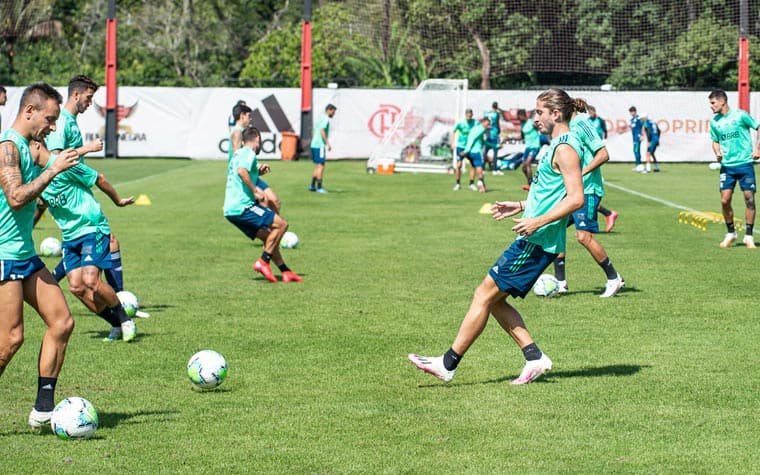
652	132
732	146
242	208
532	140
320	145
493	138
473	151
557	190
23	276
635	125
462	131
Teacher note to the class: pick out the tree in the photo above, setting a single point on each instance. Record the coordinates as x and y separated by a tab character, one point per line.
31	19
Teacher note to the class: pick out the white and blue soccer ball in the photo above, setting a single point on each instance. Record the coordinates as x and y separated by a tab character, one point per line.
546	286
207	369
74	418
289	240
50	247
129	302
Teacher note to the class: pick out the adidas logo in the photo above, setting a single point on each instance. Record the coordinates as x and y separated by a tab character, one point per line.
88	259
277	117
495	269
582	223
48	387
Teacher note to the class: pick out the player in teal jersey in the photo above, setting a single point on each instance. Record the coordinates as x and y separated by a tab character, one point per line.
594	155
23	276
461	132
732	146
493	139
557	191
652	132
599	124
532	140
320	145
473	151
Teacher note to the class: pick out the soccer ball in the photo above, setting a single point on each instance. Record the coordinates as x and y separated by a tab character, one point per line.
207	369
546	286
289	240
129	302
74	418
50	247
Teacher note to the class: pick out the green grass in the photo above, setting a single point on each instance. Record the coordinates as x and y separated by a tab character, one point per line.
662	378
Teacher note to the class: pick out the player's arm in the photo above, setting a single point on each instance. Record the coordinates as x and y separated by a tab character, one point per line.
323	132
717	151
600	158
603	125
505	209
567	161
94	146
246	177
107	188
18	193
237	140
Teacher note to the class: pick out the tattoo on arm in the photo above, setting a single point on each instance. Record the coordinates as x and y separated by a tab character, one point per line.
16	192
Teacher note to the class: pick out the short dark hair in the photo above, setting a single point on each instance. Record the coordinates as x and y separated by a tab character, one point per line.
250	133
632	109
330	107
81	83
718	94
468	111
239	110
2	89
37	94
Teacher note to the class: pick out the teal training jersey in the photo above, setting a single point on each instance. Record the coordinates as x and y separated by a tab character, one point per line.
229	148
316	138
16	226
546	191
463	130
238	197
493	131
731	131
599	125
66	133
71	202
530	135
593	183
475	139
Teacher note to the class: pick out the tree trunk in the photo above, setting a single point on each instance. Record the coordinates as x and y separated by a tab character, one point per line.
485	58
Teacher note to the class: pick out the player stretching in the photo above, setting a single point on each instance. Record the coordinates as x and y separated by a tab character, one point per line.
557	191
593	156
532	140
320	145
462	131
493	138
652	131
241	207
732	146
473	151
23	276
242	116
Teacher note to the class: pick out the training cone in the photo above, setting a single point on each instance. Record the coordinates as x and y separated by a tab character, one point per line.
143	200
486	208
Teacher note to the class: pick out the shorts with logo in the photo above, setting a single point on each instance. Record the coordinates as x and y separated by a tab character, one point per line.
585	217
318	155
253	219
19	269
519	267
530	153
653	145
475	159
89	250
744	174
261	184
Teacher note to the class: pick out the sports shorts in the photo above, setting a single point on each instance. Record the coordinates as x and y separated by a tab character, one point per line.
585	217
744	174
92	249
519	267
253	219
19	269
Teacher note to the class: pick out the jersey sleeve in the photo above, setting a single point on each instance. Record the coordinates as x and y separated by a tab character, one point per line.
81	174
713	132
472	137
55	139
590	138
749	121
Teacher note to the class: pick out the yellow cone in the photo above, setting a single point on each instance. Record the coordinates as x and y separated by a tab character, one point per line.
486	208
143	200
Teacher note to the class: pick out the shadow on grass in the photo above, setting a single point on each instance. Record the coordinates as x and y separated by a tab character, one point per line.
101	335
112	419
598	291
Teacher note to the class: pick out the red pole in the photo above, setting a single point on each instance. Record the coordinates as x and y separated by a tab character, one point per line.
743	56
112	118
306	86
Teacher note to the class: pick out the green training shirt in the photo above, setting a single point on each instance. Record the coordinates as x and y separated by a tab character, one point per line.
593	183
463	128
546	191
237	196
316	139
475	139
530	135
66	133
731	131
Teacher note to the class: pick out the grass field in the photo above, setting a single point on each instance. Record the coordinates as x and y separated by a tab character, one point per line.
660	379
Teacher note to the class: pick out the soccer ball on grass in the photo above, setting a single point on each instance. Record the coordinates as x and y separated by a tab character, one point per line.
207	369
546	286
289	240
50	247
74	418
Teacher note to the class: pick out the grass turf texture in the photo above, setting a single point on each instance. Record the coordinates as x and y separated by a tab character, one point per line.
658	379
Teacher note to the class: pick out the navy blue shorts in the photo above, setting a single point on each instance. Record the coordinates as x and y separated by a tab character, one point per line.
475	159
530	153
252	220
459	153
744	174
585	217
89	250
653	145
519	267
261	184
318	155
19	270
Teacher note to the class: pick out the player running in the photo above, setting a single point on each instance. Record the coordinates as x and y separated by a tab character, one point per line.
732	146
462	131
242	207
23	276
473	151
493	138
532	140
557	191
593	156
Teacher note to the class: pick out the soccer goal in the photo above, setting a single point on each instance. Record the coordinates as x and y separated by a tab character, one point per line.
419	139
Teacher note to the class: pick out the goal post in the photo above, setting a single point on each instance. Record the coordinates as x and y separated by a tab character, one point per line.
420	138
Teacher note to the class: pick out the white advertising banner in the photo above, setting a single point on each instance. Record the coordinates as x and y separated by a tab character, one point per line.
192	122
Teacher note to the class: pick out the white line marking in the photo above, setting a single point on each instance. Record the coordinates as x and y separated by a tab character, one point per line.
648	197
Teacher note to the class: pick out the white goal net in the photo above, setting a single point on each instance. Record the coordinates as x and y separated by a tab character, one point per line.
419	139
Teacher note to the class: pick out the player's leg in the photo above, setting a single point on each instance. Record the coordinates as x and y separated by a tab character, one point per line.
749	201
11	319
262	223
527	167
115	275
107	303
652	149
458	167
41	291
559	272
272	200
637	153
610	217
286	272
727	184
586	224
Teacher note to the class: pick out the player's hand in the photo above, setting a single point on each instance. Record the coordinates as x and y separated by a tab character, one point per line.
329	147
264	169
525	226
125	201
505	209
755	154
68	158
95	146
720	157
